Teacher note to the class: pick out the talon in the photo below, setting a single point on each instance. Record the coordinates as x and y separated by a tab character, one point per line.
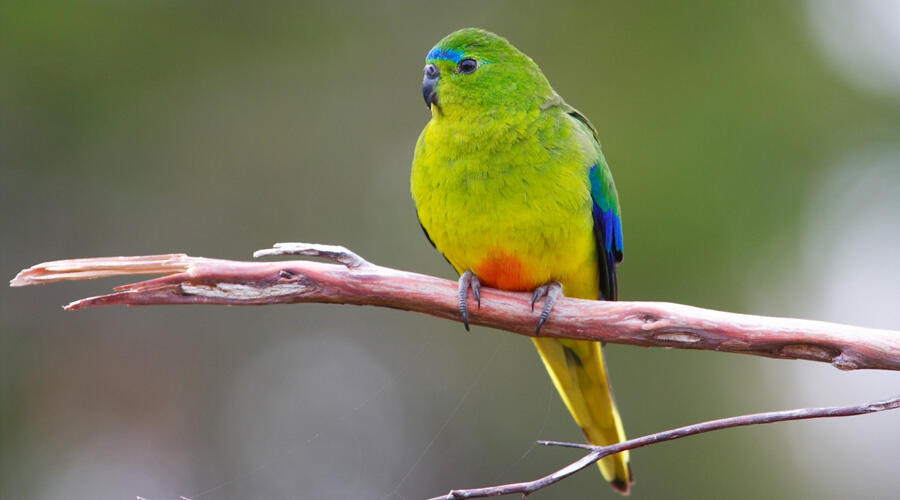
466	281
552	291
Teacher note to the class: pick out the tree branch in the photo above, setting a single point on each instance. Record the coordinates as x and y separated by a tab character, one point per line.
198	280
598	452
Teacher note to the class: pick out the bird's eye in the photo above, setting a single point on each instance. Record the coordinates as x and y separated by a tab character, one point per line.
467	65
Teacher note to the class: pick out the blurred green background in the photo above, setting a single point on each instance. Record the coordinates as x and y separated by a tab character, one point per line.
755	145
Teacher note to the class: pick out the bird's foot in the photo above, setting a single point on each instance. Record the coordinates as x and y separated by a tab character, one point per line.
466	281
551	291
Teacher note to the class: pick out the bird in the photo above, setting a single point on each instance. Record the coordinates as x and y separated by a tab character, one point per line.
511	187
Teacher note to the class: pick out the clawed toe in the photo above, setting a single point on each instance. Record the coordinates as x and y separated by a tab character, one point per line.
466	281
551	291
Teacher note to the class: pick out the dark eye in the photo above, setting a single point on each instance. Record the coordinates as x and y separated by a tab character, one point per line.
467	65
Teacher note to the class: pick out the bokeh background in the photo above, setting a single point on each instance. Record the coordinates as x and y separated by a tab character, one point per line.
756	148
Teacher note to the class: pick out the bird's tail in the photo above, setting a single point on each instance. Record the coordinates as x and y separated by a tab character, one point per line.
579	374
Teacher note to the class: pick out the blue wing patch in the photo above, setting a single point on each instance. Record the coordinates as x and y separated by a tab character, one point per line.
608	233
610	224
612	231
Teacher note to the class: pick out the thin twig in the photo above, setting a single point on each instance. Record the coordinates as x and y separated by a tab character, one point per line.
198	280
598	452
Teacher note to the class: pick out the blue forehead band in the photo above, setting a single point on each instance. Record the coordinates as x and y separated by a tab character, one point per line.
444	54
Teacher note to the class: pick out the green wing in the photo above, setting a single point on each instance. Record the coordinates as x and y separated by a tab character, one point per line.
605	207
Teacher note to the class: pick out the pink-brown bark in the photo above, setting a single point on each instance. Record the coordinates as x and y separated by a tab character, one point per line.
198	280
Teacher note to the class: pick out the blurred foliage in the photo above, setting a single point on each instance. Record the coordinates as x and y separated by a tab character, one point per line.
217	128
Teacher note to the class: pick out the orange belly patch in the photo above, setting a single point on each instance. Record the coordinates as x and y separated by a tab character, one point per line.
505	272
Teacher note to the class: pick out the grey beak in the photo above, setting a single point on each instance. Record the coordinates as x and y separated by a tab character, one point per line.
429	85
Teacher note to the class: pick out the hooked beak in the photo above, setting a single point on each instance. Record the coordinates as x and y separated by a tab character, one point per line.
429	85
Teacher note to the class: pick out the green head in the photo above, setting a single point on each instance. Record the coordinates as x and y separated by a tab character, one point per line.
473	72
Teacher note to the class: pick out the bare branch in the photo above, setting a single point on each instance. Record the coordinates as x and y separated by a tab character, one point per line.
198	280
598	452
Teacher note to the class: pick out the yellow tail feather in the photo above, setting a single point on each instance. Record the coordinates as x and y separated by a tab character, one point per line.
578	372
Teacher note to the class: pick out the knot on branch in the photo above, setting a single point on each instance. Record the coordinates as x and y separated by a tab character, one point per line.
681	337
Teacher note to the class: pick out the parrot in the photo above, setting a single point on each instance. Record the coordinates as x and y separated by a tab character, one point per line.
511	187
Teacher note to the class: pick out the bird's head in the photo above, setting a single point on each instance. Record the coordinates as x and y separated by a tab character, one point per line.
475	72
